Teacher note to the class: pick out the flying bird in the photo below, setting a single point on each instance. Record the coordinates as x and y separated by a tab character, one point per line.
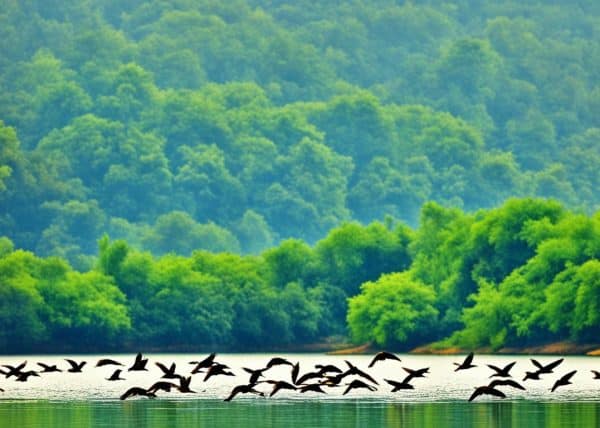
168	372
115	376
162	385
255	374
381	356
204	364
501	372
280	384
357	384
139	364
278	361
563	381
107	362
49	368
24	376
14	370
75	366
415	373
217	369
184	385
545	369
506	382
353	370
466	364
397	386
243	389
596	374
488	390
136	390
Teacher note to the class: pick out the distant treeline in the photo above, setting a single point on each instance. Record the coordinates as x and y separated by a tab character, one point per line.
523	273
232	126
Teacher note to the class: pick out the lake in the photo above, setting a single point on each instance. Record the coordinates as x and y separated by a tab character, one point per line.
439	400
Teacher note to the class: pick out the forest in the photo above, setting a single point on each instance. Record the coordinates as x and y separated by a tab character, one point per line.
256	173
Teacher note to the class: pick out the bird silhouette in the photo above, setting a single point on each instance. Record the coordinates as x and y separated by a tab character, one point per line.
546	369
501	372
136	390
216	370
24	376
397	386
506	382
532	375
353	370
184	385
327	368
381	356
278	361
204	364
415	373
115	376
295	372
139	364
563	381
255	374
75	366
243	389
466	364
49	368
162	386
308	376
107	362
311	387
357	384
279	385
596	374
14	370
168	372
488	390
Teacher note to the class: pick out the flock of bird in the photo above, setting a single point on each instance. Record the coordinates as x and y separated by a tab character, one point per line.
317	380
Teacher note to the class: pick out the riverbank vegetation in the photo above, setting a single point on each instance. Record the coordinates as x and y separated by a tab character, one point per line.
517	275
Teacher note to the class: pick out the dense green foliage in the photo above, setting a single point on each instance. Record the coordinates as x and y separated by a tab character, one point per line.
231	126
192	130
526	272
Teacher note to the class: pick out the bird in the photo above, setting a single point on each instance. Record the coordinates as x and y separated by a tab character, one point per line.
307	376
295	372
311	387
49	368
545	369
204	364
162	385
328	368
24	376
217	369
532	375
356	384
353	370
139	364
466	364
596	374
254	374
75	366
383	355
243	389
280	384
136	390
565	380
115	376
501	372
278	361
14	370
107	362
480	390
415	373
399	385
1	390
168	373
184	385
506	382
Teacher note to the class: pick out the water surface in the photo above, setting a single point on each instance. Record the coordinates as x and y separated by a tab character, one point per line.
440	400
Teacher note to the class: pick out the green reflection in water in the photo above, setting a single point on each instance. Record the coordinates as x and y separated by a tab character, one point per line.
257	413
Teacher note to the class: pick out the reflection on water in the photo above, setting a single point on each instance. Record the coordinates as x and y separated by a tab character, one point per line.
252	413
